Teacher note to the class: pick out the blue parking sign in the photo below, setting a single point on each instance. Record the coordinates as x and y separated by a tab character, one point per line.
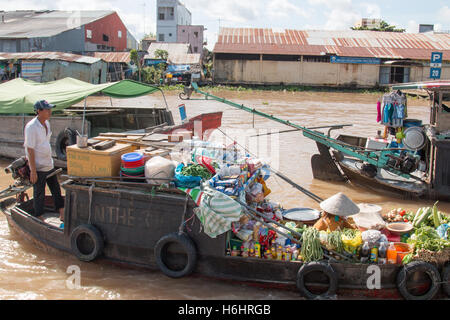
436	57
435	73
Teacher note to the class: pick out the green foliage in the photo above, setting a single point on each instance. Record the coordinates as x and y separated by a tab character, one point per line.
161	54
153	74
134	57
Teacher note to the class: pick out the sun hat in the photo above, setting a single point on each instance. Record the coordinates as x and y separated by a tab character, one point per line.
339	205
43	104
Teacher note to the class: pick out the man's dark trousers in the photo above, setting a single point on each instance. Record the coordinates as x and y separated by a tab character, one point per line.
39	192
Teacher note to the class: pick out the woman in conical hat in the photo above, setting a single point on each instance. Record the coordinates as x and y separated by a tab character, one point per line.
336	212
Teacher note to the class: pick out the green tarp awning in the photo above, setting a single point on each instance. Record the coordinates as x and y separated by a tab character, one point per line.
19	95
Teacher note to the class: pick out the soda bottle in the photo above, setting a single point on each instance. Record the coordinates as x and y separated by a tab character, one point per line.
382	251
374	254
391	254
365	252
257	250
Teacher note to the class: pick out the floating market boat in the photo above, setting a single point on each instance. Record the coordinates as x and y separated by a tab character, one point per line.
18	96
417	168
160	226
415	165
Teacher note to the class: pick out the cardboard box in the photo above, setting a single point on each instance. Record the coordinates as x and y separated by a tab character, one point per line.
88	162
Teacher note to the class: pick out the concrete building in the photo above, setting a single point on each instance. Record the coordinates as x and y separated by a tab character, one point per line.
192	35
146	42
169	15
64	31
50	66
368	23
326	58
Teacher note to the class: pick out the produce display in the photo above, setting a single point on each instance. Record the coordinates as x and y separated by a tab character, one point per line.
196	170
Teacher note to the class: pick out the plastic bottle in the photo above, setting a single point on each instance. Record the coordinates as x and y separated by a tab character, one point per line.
374	254
288	254
391	254
280	253
268	254
382	251
257	250
295	255
365	252
274	250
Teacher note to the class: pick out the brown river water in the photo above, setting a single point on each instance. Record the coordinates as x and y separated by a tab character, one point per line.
27	272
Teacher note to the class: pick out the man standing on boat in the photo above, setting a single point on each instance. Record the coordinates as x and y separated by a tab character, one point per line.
39	155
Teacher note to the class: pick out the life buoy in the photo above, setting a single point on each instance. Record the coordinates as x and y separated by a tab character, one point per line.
164	258
418	266
86	242
445	275
65	138
324	268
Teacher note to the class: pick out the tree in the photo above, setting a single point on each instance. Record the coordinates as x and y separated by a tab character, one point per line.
161	54
384	26
134	57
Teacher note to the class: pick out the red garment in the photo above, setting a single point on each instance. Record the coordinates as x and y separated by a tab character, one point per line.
378	111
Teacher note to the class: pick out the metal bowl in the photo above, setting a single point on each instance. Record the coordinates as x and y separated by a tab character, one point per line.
399	227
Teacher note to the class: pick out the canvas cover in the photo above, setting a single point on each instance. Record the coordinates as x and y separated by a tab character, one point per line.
19	95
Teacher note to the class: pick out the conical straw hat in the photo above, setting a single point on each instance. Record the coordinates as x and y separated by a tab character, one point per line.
339	205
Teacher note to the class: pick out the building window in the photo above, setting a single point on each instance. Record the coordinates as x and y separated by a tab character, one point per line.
161	37
105	38
119	34
170	34
184	30
195	49
88	34
166	13
196	34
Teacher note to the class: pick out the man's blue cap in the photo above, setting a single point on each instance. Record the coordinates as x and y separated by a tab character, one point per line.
43	104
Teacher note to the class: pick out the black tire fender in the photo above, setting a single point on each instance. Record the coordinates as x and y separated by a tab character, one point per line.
188	248
445	276
418	266
326	269
66	137
86	242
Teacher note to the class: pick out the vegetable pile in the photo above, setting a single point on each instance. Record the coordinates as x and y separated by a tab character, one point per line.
311	249
196	170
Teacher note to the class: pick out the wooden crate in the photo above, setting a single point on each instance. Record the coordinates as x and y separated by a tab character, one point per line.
88	162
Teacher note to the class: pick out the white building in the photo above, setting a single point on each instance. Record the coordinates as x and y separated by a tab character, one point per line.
170	15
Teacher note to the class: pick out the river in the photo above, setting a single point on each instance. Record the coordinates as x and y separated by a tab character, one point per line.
27	272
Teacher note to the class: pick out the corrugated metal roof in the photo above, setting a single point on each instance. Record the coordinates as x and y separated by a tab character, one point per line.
117	57
32	24
179	53
186	58
170	47
69	57
342	43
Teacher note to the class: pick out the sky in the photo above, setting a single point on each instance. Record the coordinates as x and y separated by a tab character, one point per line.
140	15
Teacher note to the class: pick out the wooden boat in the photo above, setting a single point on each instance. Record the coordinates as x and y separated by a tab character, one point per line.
16	106
137	225
430	182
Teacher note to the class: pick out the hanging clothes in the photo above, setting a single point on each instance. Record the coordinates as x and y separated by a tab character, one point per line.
378	111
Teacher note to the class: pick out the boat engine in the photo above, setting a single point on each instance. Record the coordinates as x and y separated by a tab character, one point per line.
405	162
20	171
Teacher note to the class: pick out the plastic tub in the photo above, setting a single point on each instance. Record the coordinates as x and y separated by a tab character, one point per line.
132	157
402	250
